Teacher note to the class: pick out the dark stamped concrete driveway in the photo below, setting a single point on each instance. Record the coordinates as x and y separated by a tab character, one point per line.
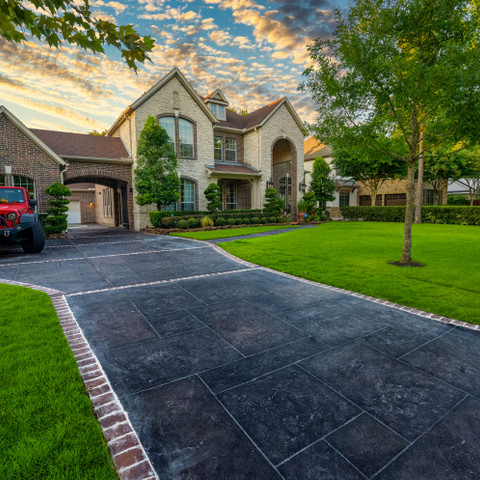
241	373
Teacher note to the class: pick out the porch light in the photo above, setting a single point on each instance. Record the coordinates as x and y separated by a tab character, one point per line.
270	183
302	186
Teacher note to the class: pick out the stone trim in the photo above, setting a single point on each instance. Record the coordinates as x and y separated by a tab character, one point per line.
414	311
128	454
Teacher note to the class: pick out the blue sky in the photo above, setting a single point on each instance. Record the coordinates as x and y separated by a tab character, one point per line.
255	51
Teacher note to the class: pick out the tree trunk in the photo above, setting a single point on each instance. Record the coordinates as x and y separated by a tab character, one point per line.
407	234
419	197
159	206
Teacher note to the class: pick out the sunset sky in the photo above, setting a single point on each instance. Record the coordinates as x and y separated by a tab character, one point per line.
255	51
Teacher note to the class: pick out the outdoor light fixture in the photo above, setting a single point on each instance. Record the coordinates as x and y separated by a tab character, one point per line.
270	183
90	204
302	186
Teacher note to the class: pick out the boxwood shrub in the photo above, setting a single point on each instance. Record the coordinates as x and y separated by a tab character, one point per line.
231	221
156	217
220	222
246	220
255	220
193	223
270	219
238	221
182	224
442	214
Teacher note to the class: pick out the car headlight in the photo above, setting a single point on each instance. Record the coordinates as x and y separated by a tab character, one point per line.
11	216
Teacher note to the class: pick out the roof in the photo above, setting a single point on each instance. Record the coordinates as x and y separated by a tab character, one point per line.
30	134
235	169
82	145
350	184
312	148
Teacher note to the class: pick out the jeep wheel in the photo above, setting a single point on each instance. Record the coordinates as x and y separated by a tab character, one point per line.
35	241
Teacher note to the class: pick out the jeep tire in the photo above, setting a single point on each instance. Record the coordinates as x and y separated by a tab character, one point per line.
35	240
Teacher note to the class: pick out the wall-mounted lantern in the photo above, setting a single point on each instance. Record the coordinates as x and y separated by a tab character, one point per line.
270	183
302	186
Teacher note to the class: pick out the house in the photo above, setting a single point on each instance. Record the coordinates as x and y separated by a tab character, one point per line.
349	193
243	154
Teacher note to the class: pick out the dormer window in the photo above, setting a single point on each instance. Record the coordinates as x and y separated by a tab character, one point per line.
218	111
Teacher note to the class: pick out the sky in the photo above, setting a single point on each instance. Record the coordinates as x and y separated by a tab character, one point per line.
254	51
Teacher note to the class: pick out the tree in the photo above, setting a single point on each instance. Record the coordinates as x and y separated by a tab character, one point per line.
470	172
56	219
156	179
273	204
399	67
439	170
322	185
213	193
368	166
308	203
95	133
59	21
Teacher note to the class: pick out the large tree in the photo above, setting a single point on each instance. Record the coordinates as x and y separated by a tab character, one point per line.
72	21
322	184
156	179
368	166
399	67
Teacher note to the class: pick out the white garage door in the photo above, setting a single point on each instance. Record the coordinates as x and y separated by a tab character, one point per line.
73	215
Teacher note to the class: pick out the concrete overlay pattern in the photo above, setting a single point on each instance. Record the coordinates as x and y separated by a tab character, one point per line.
228	371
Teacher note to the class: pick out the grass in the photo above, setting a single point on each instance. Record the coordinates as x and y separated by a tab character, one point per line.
226	233
355	256
47	426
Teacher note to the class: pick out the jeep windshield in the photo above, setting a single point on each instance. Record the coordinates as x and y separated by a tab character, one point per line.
11	195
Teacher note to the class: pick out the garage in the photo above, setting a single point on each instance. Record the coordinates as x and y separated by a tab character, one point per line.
73	214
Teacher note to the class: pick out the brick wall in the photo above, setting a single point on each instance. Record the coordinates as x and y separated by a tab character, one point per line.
85	198
27	159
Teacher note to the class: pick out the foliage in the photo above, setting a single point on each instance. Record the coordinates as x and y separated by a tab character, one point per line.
238	221
207	222
226	233
220	222
183	224
322	185
246	220
273	204
95	133
394	69
193	223
156	179
256	220
454	215
308	203
156	217
44	400
56	219
457	200
60	21
270	220
213	193
231	221
166	222
366	165
470	172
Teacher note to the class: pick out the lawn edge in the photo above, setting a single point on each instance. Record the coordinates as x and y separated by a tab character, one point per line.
128	454
387	303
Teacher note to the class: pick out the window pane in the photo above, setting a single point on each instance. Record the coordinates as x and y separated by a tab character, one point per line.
218	150
230	150
231	196
221	112
213	108
2	181
185	137
25	182
187	192
344	199
168	123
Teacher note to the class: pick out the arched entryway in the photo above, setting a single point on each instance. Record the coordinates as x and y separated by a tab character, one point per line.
284	172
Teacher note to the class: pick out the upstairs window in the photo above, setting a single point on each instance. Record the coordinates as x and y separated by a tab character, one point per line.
230	150
24	182
218	111
185	138
218	149
168	123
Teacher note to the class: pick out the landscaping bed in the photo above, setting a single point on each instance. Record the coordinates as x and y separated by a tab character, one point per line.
356	256
217	232
47	425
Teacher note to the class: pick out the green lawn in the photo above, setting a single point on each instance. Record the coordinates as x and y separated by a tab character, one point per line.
47	426
233	232
355	256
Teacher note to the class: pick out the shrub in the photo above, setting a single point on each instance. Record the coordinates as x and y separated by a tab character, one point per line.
270	219
256	220
245	220
238	221
273	204
193	223
307	203
182	224
207	222
167	222
231	221
56	219
213	193
220	222
458	200
374	214
285	218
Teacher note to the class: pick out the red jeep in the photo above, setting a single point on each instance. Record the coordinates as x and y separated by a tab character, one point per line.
18	221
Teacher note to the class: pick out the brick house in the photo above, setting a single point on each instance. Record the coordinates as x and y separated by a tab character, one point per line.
243	154
349	193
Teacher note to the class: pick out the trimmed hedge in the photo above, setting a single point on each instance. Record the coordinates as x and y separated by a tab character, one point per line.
442	214
156	217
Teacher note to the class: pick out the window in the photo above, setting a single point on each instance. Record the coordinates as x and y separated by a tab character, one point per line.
2	181
230	150
218	110
283	184
107	202
24	182
344	199
218	149
428	197
185	138
231	196
168	123
187	192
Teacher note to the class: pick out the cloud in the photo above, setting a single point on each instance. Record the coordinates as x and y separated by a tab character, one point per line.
117	6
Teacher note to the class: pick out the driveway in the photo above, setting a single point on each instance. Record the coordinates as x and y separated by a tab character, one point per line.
229	371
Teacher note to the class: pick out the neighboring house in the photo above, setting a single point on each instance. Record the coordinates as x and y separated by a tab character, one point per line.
460	187
349	193
243	154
